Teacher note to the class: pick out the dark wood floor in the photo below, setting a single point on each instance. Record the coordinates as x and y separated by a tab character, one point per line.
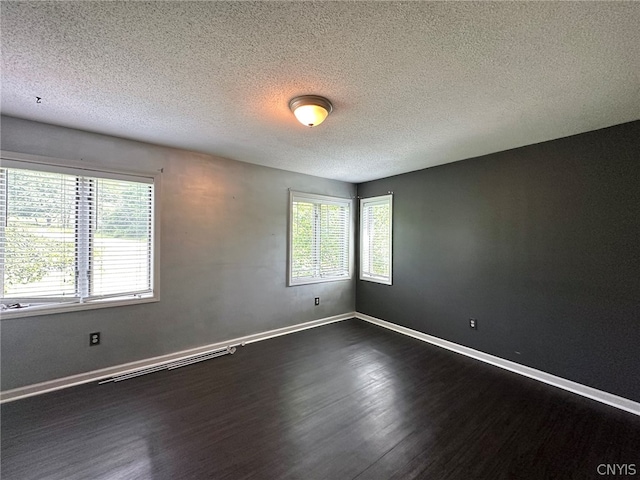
344	401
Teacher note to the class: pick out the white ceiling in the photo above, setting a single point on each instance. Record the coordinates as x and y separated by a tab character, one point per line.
414	84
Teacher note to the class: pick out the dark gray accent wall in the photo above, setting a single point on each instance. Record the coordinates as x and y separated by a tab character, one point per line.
541	244
223	252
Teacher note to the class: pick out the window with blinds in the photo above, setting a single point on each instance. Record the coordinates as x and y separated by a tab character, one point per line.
319	239
376	238
74	236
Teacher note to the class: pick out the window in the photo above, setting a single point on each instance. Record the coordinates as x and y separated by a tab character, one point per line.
376	238
73	237
319	239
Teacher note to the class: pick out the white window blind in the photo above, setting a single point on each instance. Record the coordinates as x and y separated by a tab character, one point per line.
319	239
376	239
74	237
123	238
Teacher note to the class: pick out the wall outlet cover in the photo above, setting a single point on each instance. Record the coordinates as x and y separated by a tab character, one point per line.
94	339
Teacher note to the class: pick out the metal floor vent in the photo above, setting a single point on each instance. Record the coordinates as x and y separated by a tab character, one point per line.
172	365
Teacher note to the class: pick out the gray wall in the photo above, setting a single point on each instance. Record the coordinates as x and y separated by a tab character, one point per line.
541	244
223	260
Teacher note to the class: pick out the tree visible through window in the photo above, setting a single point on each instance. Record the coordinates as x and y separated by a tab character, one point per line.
69	237
319	239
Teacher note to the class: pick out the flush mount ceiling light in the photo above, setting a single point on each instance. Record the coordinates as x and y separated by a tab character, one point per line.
310	110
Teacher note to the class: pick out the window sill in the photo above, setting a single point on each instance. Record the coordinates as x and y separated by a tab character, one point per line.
72	307
316	280
383	281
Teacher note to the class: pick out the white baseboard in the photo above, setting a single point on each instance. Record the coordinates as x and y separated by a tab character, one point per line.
589	392
95	375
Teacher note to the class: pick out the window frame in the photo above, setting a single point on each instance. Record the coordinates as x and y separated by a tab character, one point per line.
380	199
324	200
56	165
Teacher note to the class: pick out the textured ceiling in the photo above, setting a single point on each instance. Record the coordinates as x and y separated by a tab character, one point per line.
414	84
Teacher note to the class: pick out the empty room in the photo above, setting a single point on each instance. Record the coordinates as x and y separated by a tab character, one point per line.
319	240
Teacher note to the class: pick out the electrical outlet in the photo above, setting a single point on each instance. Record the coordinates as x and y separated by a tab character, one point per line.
317	301
94	339
473	323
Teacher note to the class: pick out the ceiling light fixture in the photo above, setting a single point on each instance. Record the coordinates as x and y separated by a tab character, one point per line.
310	110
